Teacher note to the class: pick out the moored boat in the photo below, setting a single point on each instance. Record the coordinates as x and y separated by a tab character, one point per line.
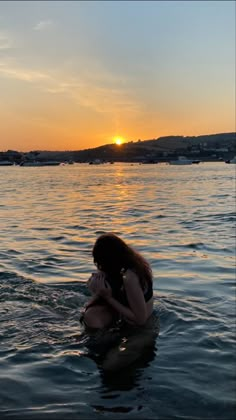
6	163
182	160
36	163
95	162
231	160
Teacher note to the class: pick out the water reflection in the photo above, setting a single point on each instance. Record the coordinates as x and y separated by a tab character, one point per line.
128	378
122	355
115	383
181	220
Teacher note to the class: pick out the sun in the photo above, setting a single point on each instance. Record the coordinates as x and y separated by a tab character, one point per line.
118	141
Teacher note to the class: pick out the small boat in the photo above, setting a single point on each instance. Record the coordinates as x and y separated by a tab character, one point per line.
6	163
95	162
231	160
182	160
36	163
30	164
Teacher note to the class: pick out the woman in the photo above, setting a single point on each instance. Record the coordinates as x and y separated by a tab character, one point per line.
122	286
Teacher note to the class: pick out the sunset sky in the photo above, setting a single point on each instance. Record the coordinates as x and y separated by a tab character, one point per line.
77	74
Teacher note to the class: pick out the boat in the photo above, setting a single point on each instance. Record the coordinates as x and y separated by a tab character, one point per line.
6	163
182	160
231	160
66	163
36	163
95	162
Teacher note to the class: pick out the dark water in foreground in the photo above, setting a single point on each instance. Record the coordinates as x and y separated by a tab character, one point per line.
183	220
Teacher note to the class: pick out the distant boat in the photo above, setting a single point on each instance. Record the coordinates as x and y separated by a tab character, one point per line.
46	163
6	163
147	161
30	164
182	160
95	162
231	160
69	162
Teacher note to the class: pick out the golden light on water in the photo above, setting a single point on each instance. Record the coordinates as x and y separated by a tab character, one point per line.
118	141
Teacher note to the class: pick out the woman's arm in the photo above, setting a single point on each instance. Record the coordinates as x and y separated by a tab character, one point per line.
135	296
137	312
121	309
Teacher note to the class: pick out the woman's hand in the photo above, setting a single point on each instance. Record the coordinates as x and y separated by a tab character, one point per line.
97	282
105	292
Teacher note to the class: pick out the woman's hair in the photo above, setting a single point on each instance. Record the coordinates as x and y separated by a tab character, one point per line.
112	254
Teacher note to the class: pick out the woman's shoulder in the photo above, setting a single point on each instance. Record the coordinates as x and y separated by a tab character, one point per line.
131	276
128	275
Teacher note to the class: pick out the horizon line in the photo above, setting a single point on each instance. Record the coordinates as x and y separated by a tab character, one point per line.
126	142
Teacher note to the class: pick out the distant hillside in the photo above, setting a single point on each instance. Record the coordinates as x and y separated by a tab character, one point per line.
161	148
154	148
211	140
206	147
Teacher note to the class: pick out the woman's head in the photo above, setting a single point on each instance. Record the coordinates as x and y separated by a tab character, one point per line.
111	254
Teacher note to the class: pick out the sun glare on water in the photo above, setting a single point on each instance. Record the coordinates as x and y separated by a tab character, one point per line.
118	141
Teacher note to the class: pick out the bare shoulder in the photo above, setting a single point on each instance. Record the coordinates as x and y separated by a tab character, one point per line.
130	278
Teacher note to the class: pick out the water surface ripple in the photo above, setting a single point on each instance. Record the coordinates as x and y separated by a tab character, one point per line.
183	221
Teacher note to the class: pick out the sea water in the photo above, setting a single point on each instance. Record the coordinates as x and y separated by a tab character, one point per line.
182	219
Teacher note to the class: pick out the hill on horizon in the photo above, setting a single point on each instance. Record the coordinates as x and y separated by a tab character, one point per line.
221	145
164	142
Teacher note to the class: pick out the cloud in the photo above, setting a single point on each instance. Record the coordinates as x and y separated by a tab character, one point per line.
95	94
22	74
104	99
102	93
43	24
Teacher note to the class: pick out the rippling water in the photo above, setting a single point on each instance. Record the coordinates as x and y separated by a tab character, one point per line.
183	221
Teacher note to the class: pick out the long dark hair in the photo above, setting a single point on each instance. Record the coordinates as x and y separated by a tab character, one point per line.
111	254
